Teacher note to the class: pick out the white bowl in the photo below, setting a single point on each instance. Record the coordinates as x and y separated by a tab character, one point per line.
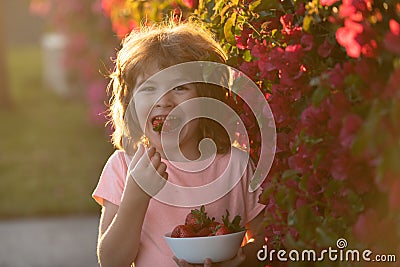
197	249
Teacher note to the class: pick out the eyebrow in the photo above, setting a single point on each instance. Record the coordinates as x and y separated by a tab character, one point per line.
149	82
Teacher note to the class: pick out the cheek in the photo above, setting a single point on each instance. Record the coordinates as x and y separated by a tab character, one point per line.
142	112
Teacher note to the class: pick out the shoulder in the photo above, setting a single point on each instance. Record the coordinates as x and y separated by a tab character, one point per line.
116	162
116	156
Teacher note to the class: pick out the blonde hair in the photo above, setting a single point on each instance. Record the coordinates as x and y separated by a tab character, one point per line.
166	45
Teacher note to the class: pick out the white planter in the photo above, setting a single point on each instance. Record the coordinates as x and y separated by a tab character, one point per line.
55	76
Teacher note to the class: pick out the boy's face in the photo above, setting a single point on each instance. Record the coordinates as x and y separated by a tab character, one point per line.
163	115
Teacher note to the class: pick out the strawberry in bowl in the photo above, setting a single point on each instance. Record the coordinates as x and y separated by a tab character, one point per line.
202	237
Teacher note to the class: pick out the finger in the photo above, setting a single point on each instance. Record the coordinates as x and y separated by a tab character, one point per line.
207	263
176	260
156	160
138	154
162	168
165	175
180	262
150	152
240	257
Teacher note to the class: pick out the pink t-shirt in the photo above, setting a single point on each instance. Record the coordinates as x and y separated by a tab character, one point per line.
162	216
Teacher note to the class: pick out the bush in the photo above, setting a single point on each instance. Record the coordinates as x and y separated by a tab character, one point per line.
330	71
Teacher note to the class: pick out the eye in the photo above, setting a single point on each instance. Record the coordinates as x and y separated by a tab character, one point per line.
147	89
180	88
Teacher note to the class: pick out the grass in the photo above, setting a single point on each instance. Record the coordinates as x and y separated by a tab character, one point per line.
50	155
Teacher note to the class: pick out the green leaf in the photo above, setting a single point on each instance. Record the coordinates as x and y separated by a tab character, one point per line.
319	94
356	202
247	56
303	185
263	5
332	188
325	237
307	22
228	29
254	5
288	174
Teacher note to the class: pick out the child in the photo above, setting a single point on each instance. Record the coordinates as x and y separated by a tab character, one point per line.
133	220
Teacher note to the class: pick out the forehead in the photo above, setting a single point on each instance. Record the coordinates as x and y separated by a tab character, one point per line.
165	78
145	73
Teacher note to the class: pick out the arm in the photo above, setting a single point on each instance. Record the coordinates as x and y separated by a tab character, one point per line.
120	227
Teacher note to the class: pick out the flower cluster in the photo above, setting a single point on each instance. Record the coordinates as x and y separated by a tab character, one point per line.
126	15
330	71
90	44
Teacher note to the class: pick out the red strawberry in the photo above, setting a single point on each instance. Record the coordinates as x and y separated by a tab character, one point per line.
158	124
198	219
204	232
191	219
213	226
234	225
223	230
183	231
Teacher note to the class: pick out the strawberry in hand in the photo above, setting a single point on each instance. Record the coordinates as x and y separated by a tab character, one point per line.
157	124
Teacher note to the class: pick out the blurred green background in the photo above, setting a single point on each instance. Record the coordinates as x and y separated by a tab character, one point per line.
51	155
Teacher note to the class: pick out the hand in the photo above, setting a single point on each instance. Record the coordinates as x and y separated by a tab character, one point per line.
148	171
236	261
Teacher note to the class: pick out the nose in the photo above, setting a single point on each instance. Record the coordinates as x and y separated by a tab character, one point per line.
165	101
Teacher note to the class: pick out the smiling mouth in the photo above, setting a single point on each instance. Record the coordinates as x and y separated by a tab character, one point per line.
164	123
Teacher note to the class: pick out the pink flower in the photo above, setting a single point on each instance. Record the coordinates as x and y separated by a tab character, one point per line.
192	4
367	69
282	144
40	7
274	59
313	119
300	10
249	68
325	49
338	106
336	76
328	2
355	10
289	30
259	51
346	36
287	21
340	165
242	40
350	128
392	38
307	42
122	28
109	5
302	160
